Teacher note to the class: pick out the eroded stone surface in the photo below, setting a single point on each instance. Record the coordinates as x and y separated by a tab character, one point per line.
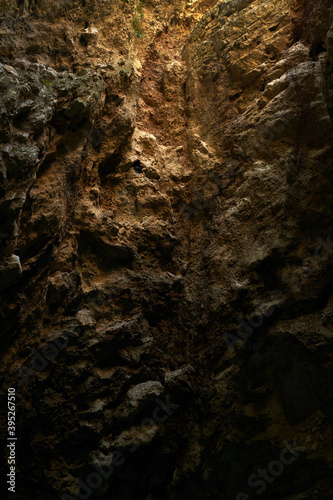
165	235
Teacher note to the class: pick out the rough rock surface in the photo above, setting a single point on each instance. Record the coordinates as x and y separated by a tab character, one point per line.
166	180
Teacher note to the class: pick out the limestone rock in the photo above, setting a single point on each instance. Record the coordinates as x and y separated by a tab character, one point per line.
166	247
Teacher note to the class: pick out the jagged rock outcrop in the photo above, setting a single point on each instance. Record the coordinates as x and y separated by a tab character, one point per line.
166	254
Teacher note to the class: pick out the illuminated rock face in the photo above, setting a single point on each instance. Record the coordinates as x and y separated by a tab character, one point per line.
166	249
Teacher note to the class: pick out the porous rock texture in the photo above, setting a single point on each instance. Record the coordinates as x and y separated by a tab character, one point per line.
166	182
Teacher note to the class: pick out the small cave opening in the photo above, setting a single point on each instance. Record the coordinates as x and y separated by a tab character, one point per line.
83	42
317	49
137	166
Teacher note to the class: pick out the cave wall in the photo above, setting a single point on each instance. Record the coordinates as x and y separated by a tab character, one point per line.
166	249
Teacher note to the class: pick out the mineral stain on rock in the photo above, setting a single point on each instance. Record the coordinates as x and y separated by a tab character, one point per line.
166	221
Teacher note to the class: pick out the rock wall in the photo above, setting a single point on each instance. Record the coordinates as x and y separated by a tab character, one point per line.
166	255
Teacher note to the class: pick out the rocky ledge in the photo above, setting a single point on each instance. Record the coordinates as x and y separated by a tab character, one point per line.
166	176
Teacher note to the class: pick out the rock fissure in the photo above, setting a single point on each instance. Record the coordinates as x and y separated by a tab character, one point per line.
165	240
